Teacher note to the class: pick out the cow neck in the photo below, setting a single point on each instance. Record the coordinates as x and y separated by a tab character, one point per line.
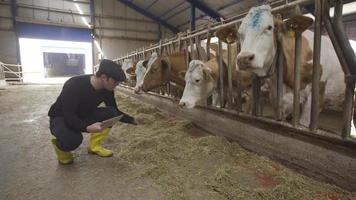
172	79
270	69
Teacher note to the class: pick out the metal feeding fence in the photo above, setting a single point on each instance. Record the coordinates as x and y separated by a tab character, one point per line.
336	32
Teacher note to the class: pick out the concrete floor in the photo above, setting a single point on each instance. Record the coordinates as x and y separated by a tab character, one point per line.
29	169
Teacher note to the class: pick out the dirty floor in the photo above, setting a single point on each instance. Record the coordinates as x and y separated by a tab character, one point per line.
163	157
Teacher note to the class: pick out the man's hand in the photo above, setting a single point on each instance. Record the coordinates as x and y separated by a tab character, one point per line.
94	128
128	119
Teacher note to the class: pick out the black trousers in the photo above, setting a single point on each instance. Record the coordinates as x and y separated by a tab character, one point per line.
69	139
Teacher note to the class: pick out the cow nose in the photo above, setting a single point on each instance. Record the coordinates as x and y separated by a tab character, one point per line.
245	58
181	104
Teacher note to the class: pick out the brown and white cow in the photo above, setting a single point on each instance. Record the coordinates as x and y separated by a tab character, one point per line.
165	68
258	36
202	80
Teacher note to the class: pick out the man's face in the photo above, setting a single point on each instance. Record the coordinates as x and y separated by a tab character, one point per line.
109	83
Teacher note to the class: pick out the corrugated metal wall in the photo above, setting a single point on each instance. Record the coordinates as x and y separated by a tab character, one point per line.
118	28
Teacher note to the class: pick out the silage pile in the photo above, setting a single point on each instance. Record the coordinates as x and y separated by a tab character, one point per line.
159	151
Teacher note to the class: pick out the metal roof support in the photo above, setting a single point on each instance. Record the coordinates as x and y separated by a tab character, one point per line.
201	6
203	15
151	4
92	13
192	17
149	15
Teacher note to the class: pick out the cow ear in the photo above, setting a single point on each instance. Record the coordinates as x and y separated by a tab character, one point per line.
165	64
181	74
145	63
227	34
131	70
279	26
298	23
208	76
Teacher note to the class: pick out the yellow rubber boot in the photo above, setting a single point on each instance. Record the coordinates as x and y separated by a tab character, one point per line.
95	146
64	157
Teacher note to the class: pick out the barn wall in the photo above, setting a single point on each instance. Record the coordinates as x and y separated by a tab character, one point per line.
118	28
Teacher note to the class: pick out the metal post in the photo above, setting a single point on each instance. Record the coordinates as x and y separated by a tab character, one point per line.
179	43
208	45
314	116
192	52
238	78
229	74
279	81
297	63
256	86
192	17
185	44
221	75
198	53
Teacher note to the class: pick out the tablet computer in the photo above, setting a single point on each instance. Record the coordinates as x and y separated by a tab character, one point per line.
110	122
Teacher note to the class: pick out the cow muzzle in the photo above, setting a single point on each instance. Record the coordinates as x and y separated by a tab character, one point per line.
182	104
246	60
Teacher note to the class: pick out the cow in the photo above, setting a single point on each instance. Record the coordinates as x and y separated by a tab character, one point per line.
140	71
259	33
165	68
202	80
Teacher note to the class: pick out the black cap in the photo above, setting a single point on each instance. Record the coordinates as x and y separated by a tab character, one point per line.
111	69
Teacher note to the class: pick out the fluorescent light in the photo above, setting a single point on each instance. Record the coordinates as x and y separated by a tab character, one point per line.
83	18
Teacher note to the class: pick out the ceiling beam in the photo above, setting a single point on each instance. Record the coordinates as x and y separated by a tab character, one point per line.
204	8
219	9
144	12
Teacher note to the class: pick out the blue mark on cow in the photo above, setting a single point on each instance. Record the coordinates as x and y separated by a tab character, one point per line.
256	19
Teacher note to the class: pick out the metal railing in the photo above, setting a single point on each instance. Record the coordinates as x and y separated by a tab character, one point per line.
337	35
9	74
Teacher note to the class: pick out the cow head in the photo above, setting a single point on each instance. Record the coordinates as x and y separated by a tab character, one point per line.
259	33
199	84
257	38
157	73
140	72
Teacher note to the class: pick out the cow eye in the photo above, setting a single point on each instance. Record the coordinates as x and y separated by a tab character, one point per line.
269	27
197	80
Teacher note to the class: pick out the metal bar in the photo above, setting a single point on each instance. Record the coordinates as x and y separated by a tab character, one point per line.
238	79
151	4
297	64
341	36
280	69
314	116
192	17
197	51
330	30
256	87
348	104
204	15
201	6
127	29
192	52
127	38
217	26
208	44
221	75
185	46
229	74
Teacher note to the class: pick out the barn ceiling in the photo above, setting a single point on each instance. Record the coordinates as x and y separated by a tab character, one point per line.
176	14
